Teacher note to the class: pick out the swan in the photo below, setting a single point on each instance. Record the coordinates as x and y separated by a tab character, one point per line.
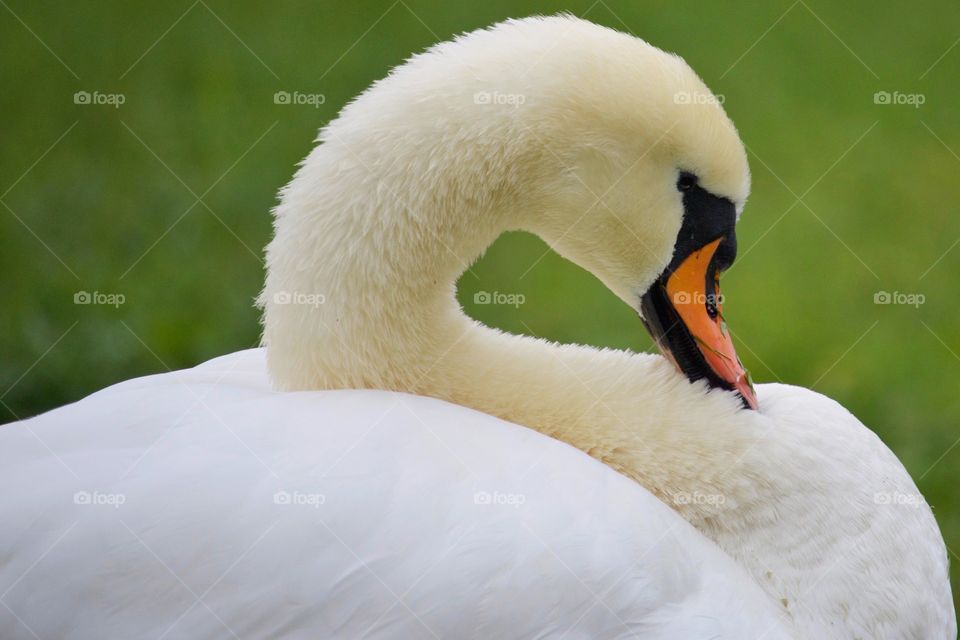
387	467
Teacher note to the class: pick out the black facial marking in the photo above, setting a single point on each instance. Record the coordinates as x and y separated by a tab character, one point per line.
706	217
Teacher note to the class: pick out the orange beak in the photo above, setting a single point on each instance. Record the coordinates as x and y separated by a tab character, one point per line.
683	311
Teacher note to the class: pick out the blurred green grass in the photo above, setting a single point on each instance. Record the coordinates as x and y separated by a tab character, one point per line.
112	206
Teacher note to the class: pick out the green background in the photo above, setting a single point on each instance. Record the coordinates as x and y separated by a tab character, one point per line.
850	197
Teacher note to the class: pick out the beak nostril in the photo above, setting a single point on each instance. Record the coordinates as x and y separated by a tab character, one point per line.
712	288
726	253
712	310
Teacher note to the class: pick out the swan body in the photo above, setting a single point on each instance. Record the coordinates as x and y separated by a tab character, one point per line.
340	514
696	519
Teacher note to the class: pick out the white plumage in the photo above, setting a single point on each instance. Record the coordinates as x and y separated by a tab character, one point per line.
250	496
339	514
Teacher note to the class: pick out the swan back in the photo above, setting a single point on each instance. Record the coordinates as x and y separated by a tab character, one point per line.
172	502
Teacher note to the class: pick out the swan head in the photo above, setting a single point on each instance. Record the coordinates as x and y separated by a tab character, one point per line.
638	174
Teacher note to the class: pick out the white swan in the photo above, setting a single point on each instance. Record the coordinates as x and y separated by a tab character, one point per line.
205	503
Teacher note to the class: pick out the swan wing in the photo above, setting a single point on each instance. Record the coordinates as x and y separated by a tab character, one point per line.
202	504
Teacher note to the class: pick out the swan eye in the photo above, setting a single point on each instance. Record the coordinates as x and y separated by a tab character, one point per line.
686	181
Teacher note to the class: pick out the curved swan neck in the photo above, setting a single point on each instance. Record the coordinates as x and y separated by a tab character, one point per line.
618	407
364	267
385	266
